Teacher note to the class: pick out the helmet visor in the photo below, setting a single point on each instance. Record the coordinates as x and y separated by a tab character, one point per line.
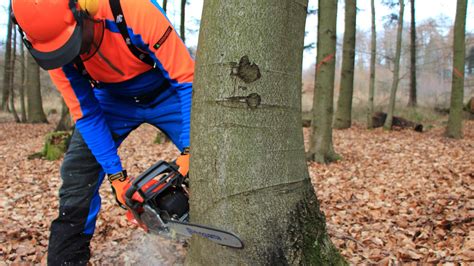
62	56
84	41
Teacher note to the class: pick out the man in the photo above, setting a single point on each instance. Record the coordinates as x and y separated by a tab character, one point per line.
118	64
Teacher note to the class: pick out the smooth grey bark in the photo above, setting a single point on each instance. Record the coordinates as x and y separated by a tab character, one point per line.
412	101
343	114
33	87
373	57
454	128
320	146
23	80
7	68
396	71
248	171
182	26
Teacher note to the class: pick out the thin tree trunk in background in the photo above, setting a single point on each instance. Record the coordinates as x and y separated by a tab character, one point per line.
248	171
165	3
470	64
33	88
343	116
182	25
412	102
12	79
65	122
396	71
23	80
454	128
321	147
373	57
7	66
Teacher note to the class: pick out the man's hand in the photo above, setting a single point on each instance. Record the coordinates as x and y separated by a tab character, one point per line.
120	183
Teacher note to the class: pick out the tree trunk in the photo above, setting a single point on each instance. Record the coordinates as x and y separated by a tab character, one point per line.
165	3
344	105
33	86
23	80
7	69
373	57
454	129
321	147
55	145
12	80
182	25
470	67
248	172
412	99
396	71
65	122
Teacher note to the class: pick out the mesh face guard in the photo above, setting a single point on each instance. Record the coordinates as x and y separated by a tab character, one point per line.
92	36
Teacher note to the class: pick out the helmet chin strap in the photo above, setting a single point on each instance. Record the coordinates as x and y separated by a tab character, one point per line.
78	14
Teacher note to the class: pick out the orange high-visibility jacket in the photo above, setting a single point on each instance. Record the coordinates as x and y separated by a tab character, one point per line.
118	71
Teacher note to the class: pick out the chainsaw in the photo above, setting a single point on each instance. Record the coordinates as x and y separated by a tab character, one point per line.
157	201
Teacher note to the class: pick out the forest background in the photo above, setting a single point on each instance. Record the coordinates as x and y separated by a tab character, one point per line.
435	20
417	206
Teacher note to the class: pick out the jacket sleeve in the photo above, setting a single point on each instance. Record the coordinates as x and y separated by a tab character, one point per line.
158	37
86	112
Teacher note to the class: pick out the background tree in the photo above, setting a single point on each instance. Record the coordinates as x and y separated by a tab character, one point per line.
12	80
65	122
33	87
396	71
412	102
7	71
470	62
454	129
373	56
182	25
22	80
248	169
321	147
344	105
165	3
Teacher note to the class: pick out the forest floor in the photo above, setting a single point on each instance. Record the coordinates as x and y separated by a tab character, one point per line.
396	197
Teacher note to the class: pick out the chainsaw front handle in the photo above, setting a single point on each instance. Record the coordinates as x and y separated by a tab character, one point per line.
140	184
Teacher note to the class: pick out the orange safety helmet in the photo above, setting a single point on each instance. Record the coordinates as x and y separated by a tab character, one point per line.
52	30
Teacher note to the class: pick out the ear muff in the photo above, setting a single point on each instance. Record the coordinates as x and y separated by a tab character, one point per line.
91	7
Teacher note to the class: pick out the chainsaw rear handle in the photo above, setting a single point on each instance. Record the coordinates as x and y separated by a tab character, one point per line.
161	167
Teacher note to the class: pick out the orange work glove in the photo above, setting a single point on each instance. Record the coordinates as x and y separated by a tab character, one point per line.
120	183
183	162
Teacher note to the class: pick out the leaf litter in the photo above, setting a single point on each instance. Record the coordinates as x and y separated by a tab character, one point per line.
396	197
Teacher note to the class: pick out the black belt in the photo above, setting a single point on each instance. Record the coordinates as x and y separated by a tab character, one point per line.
147	97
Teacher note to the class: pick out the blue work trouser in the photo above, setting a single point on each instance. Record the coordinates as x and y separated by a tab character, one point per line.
79	200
